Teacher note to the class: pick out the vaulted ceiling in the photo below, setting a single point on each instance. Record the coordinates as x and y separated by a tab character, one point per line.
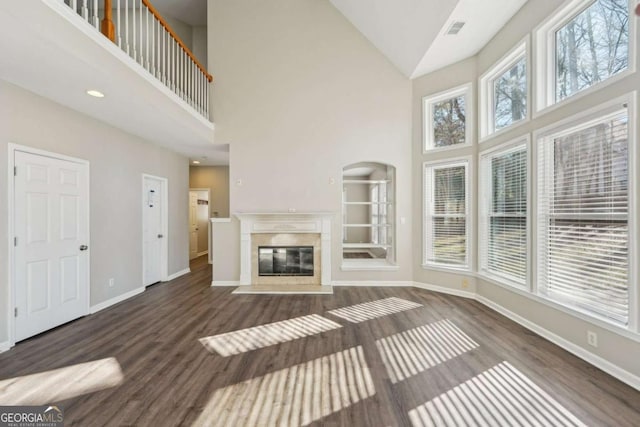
412	33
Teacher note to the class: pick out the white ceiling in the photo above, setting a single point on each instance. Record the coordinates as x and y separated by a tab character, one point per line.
411	32
64	67
192	12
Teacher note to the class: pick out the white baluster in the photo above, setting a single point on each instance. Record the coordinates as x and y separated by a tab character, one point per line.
198	83
96	19
183	74
179	65
172	61
206	99
133	29
180	72
193	84
85	10
153	45
165	70
162	53
126	25
74	5
147	33
140	33
119	32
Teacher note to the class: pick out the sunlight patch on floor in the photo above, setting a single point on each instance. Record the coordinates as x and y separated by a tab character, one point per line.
60	384
371	310
293	396
267	335
408	353
500	396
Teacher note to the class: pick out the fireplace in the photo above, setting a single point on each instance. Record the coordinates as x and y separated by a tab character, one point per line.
285	248
285	261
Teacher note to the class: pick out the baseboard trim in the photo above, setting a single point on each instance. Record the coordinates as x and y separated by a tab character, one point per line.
5	346
444	290
597	361
178	274
203	253
225	283
108	303
373	283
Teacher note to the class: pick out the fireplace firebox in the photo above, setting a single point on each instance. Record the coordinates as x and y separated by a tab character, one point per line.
285	260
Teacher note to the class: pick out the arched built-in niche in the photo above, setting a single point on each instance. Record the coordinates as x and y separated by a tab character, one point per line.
368	216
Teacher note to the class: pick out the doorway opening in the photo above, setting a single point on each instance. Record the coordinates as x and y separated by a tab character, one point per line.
199	208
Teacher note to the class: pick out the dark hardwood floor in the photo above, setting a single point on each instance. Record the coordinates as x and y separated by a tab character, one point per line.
170	377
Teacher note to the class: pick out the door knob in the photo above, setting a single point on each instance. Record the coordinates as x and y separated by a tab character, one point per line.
160	236
84	247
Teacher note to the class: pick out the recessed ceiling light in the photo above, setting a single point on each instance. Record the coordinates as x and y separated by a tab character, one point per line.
196	162
95	93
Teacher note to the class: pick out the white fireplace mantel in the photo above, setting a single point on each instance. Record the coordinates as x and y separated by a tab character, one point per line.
285	222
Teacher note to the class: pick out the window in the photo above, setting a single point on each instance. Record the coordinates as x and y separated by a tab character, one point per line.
378	210
583	217
504	92
592	46
446	214
584	44
503	213
447	118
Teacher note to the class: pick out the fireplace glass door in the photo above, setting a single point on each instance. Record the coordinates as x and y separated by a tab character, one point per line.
285	261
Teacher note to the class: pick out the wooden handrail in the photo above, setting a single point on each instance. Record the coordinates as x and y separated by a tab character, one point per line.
164	23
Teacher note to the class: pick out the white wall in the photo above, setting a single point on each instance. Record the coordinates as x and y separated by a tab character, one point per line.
117	161
616	348
216	179
299	94
199	44
182	29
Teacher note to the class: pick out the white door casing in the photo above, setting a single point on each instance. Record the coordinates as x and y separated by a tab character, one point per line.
193	224
51	247
154	229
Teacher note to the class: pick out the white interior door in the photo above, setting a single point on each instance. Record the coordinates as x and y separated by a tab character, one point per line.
51	221
193	224
153	229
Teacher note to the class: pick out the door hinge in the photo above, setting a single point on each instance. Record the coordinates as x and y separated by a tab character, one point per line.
15	312
15	241
15	171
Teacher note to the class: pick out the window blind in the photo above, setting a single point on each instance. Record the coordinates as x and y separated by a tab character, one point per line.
583	201
446	214
503	236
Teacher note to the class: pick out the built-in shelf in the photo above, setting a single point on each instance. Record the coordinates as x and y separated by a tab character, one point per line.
368	203
368	216
366	225
366	181
364	246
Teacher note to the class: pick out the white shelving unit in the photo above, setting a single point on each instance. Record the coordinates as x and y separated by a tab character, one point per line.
368	214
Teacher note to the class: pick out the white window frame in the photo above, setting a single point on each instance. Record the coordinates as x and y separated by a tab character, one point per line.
427	172
428	102
544	39
378	213
487	94
566	126
484	205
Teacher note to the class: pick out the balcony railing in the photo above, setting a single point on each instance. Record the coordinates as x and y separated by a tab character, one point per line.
140	31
